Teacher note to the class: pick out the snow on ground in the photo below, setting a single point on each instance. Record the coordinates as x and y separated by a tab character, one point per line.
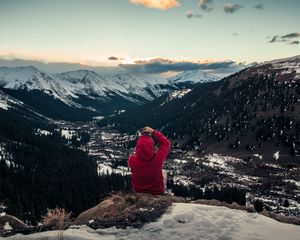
220	162
3	104
293	181
104	169
67	134
98	117
7	101
180	161
257	155
189	221
274	166
6	156
289	64
176	94
179	93
182	180
42	132
107	136
276	155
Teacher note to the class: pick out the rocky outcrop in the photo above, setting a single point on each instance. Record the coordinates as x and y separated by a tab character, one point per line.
127	210
10	224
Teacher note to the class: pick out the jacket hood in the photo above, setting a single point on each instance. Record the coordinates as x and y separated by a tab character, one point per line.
145	148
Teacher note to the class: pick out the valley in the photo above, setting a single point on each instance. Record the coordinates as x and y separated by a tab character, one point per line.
266	181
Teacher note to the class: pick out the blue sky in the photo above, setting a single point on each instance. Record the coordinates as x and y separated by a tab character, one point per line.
91	31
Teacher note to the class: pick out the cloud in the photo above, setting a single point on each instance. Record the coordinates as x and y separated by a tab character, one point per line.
190	14
160	65
205	5
157	4
58	67
259	6
231	8
113	58
277	38
286	38
291	35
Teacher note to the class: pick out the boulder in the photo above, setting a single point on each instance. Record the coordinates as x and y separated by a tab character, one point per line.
127	210
11	224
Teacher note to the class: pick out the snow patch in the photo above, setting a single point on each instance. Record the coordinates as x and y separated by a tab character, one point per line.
176	94
220	162
257	155
67	134
276	155
188	221
180	161
42	132
98	117
106	169
3	104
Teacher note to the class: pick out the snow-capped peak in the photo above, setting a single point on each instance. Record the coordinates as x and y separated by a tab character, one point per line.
70	86
194	76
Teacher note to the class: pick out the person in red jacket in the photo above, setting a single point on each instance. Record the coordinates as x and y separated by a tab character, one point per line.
146	164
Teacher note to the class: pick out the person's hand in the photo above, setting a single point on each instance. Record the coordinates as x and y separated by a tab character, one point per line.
148	130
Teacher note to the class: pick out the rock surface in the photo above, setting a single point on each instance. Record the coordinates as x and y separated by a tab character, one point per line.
127	210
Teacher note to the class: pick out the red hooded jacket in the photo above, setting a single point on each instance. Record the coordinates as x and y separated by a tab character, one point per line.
146	164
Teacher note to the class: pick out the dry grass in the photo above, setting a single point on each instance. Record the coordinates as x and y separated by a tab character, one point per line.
57	219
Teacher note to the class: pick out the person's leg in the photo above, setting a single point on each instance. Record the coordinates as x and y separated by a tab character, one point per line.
165	176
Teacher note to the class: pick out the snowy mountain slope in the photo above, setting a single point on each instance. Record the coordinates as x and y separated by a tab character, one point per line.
285	66
7	101
83	82
30	78
88	90
288	65
147	86
189	221
193	76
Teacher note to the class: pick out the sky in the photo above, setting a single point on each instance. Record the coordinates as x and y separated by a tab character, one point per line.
149	35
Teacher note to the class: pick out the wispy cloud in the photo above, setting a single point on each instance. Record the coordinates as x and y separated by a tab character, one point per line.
286	38
259	6
157	4
205	5
160	65
191	14
231	8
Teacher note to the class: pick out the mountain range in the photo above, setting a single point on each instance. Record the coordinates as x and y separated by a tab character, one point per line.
83	94
256	109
